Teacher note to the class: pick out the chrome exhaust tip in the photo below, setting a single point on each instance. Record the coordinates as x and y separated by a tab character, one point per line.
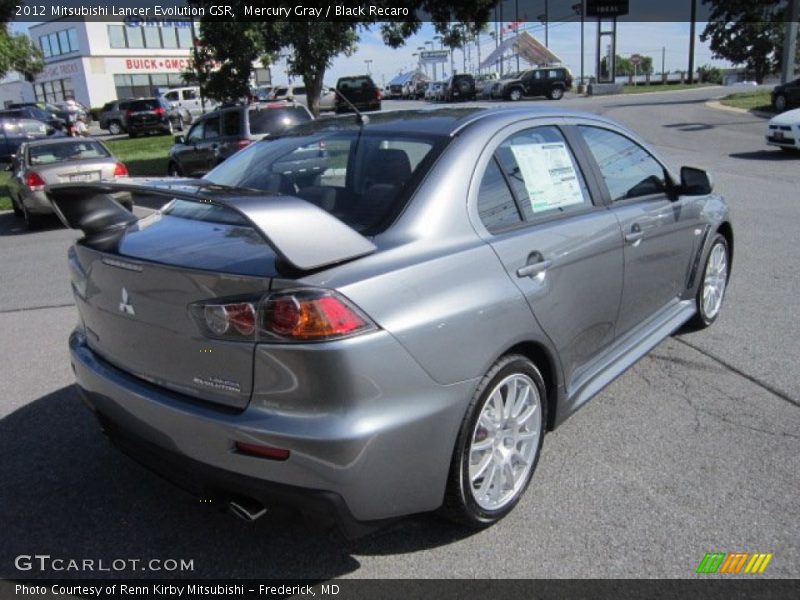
246	509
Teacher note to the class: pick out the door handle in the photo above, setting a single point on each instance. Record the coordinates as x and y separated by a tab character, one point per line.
535	268
635	234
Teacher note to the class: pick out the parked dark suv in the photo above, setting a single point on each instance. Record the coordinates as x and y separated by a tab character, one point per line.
786	95
221	133
360	90
147	115
551	82
460	87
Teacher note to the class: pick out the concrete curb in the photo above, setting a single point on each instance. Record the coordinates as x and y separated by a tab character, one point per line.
716	104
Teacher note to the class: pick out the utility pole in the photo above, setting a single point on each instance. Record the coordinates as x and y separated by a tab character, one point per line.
663	57
546	23
693	18
516	28
790	42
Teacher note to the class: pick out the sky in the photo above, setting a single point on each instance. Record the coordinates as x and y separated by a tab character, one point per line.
646	38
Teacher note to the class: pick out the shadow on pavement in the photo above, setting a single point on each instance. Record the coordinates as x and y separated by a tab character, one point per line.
68	493
11	225
771	155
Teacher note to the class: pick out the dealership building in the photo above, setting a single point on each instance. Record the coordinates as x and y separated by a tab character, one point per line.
96	62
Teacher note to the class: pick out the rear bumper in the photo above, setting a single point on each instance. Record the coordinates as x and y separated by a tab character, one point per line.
369	448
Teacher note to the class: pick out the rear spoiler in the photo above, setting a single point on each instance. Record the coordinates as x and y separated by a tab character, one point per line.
302	234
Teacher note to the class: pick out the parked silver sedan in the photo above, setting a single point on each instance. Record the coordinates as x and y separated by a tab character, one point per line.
397	333
58	160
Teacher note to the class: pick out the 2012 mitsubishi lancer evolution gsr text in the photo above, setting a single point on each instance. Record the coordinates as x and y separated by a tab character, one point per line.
368	318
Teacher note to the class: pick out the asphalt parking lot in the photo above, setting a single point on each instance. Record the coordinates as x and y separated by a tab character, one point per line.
694	450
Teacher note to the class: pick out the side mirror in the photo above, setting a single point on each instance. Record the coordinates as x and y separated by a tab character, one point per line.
179	139
695	182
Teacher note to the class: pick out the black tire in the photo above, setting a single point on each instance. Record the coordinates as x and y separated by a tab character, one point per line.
779	103
789	150
115	128
701	320
32	222
556	93
515	94
17	210
179	123
459	502
173	170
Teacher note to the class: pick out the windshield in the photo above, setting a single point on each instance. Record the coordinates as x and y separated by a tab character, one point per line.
66	151
362	179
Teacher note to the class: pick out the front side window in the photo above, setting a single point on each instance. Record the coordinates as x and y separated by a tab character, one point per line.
196	132
628	169
542	172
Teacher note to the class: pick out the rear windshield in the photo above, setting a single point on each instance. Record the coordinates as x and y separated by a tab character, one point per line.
274	120
355	83
150	104
363	179
66	151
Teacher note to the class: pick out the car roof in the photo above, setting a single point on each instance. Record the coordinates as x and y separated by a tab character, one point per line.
438	121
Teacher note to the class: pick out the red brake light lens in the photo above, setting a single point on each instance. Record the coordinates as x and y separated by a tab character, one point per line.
296	316
242	144
262	451
160	111
34	181
120	170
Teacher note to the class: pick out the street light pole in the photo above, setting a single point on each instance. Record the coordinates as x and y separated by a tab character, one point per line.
693	18
369	64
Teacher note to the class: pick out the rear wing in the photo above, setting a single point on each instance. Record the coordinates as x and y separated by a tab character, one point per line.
300	233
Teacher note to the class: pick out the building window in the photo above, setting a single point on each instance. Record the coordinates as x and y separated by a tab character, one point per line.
59	42
169	37
116	36
134	86
54	91
134	37
184	37
152	37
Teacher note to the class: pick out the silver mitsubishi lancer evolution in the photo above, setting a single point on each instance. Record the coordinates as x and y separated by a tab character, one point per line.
369	318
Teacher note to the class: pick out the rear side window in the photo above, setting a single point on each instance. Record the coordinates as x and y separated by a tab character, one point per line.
274	120
542	172
231	123
628	169
496	205
189	94
212	128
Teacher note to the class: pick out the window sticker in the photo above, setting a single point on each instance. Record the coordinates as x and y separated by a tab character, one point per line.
549	175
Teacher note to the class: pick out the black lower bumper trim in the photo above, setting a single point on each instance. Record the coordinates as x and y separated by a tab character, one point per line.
219	485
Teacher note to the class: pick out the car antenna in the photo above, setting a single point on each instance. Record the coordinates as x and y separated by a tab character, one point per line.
361	118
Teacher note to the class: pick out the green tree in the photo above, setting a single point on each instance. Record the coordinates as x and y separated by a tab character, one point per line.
710	74
17	53
310	46
746	32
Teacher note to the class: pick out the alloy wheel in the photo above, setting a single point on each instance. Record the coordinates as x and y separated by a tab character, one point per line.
715	281
505	442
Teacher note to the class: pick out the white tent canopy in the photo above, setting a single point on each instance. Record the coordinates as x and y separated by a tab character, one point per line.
529	49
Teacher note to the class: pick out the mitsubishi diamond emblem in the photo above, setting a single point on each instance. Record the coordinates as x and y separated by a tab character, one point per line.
125	306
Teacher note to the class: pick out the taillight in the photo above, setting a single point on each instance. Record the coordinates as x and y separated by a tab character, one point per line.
160	111
34	181
262	451
129	113
307	315
377	94
120	170
242	144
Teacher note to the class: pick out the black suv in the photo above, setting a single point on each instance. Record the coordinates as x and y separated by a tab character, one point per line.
360	90
460	87
146	115
219	134
551	82
786	95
